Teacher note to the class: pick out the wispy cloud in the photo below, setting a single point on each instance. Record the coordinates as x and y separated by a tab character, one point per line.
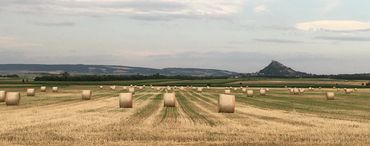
55	24
260	9
334	25
277	41
143	9
343	38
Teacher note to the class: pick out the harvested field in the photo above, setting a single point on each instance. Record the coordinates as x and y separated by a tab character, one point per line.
279	118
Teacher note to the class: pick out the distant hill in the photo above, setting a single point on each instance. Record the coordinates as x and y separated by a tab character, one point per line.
109	69
278	69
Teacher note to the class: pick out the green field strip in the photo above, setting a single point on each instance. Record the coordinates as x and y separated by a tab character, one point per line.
147	110
195	113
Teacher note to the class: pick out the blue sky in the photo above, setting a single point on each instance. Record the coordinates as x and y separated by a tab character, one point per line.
317	36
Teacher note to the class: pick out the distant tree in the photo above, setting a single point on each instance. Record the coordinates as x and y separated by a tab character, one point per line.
65	75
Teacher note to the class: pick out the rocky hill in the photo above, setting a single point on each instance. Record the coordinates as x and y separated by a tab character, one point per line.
278	69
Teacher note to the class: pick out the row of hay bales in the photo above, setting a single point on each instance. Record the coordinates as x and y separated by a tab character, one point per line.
329	95
14	98
249	92
226	102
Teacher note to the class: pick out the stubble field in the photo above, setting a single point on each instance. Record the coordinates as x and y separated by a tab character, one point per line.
278	118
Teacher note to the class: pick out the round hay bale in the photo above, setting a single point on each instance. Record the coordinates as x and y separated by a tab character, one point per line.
250	93
12	98
55	89
262	92
101	87
125	100
301	90
169	99
131	89
2	96
267	89
348	91
227	91
86	94
200	89
141	87
244	89
31	92
330	95
291	90
226	103
43	89
113	87
296	91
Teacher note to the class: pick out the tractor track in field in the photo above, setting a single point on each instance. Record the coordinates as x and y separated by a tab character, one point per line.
144	113
169	117
205	107
196	115
220	119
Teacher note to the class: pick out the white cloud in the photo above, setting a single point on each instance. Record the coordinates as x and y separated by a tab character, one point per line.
260	8
135	8
333	25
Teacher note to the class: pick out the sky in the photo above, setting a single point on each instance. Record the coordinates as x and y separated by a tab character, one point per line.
315	36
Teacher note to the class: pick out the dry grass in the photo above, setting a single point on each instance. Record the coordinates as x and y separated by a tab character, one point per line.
276	119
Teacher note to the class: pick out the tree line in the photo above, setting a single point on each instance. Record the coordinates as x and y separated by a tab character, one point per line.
67	77
10	76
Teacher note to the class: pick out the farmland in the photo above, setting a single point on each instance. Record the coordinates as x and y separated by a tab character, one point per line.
279	118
